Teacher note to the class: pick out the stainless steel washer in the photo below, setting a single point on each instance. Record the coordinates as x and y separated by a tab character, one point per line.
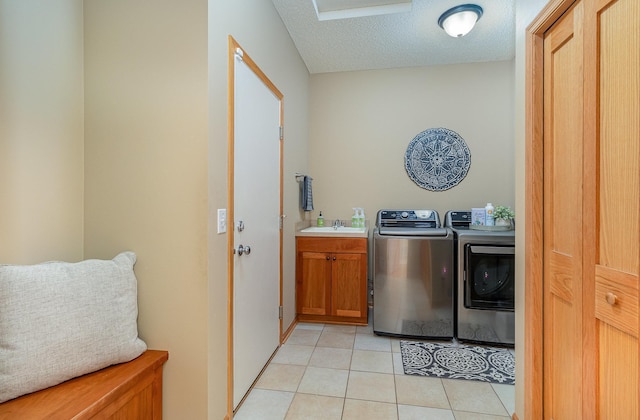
485	282
413	281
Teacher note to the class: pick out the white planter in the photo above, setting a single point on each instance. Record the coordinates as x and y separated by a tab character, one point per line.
503	222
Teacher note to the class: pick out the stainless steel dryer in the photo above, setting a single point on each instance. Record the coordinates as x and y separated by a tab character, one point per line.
412	275
485	282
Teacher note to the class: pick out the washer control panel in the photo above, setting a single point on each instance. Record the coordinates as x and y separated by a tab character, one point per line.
409	218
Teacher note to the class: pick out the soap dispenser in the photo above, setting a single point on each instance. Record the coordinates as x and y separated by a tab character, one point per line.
320	221
355	220
361	217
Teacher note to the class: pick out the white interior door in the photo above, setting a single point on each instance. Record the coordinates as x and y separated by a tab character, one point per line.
256	230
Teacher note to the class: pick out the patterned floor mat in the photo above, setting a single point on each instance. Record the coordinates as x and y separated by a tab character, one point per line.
458	361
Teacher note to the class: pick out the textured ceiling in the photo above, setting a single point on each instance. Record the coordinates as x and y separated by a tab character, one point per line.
406	39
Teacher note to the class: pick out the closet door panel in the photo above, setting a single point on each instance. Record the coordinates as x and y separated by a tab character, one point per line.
618	367
619	181
562	217
618	204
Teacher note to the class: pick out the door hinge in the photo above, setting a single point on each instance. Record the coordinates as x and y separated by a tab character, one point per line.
281	132
280	312
281	221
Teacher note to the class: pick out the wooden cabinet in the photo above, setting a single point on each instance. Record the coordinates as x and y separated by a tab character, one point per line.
131	390
331	279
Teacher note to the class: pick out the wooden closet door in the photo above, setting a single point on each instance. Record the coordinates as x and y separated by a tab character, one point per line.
562	218
617	25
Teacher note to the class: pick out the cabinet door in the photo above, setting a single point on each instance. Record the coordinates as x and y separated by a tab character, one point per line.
348	277
315	289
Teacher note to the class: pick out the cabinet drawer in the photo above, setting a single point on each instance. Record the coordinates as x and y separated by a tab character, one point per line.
323	244
617	299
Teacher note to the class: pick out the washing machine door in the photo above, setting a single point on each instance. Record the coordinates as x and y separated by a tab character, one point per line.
489	277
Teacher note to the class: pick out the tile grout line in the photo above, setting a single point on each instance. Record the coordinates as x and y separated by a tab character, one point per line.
500	399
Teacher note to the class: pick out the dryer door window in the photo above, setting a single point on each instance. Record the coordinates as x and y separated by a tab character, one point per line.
489	277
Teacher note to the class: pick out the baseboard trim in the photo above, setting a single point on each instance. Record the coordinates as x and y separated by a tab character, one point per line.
289	330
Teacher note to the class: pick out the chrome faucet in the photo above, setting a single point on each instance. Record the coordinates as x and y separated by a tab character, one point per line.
337	223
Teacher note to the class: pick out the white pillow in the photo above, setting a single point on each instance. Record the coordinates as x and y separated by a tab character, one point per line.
61	320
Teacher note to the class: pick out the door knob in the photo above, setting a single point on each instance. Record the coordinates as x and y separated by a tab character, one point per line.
243	250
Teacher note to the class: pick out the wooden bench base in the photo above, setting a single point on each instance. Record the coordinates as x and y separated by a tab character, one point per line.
130	390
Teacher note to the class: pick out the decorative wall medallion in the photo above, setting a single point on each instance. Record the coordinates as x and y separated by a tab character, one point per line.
437	159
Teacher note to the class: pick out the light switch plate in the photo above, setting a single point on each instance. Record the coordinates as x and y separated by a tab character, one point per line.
222	220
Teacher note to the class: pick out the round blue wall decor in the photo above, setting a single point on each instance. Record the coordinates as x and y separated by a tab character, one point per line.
437	159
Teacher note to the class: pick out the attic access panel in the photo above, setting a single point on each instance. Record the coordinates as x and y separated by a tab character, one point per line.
344	9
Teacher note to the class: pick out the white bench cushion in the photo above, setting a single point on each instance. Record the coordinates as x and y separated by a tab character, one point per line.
60	320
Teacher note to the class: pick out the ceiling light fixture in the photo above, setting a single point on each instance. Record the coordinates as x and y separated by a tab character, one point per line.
460	20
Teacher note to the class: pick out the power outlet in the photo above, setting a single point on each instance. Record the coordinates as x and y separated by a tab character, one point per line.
222	220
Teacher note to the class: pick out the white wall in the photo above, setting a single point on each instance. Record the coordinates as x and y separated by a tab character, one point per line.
526	11
41	131
362	122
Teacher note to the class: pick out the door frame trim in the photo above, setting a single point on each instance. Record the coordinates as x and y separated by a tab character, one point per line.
233	46
534	130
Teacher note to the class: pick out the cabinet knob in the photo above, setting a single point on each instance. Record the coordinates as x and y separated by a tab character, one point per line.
612	299
334	258
328	258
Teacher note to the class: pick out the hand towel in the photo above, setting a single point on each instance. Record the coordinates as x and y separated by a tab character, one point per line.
306	194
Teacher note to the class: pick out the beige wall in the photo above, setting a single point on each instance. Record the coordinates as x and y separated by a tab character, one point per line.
41	131
156	152
526	11
362	122
257	27
146	174
157	169
154	156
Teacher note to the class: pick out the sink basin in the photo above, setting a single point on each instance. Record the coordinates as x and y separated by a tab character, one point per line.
331	230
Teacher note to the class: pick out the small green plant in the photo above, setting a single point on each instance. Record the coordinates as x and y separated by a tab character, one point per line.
503	212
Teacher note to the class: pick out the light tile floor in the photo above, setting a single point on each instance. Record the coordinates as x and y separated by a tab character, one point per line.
345	372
